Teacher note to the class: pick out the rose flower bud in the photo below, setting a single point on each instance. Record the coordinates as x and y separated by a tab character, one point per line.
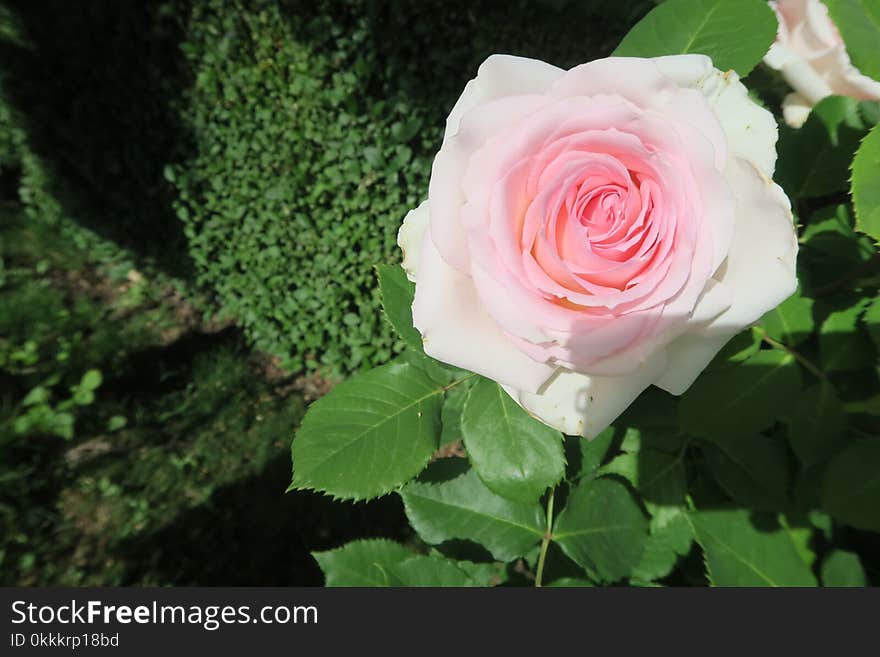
591	232
812	58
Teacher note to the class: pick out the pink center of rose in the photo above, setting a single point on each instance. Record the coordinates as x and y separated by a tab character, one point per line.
593	209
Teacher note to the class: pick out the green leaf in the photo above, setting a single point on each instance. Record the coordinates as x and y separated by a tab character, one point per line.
381	562
741	347
851	489
514	454
570	583
654	409
832	253
450	416
814	159
658	476
743	399
662	439
843	569
370	434
116	422
361	563
791	322
428	570
438	372
817	424
602	529
843	345
484	574
859	25
665	544
583	457
397	297
736	35
91	380
464	508
801	535
739	553
865	187
752	469
872	322
61	425
37	396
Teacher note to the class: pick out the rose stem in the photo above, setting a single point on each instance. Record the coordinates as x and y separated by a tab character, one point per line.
545	542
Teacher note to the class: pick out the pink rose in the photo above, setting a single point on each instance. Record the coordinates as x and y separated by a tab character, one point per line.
812	58
591	232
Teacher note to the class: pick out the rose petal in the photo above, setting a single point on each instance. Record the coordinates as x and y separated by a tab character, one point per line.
457	330
502	75
795	110
759	273
578	404
751	130
410	238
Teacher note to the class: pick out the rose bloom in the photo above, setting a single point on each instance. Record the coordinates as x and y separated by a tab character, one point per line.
591	232
811	56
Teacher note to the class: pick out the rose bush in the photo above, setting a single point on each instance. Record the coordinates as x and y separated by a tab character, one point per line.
591	240
594	231
811	56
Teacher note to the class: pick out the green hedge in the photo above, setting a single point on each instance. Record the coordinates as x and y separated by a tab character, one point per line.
300	180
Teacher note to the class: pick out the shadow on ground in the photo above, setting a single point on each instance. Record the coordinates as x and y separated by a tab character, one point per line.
95	86
252	533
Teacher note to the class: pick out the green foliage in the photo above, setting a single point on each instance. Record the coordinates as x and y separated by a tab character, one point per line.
745	551
814	160
380	562
370	434
842	569
40	415
602	529
736	35
859	24
397	298
362	563
667	542
791	322
865	194
752	469
818	422
852	486
843	345
301	178
515	456
461	507
741	400
177	441
833	255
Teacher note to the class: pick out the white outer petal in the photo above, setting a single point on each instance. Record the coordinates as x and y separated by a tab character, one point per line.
804	79
578	404
501	75
751	130
795	110
457	330
410	238
759	272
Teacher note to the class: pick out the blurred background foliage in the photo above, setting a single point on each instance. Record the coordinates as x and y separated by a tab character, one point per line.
193	195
